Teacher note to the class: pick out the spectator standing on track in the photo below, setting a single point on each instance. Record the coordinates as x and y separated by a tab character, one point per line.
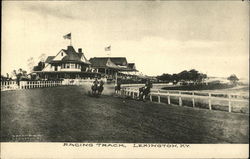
118	87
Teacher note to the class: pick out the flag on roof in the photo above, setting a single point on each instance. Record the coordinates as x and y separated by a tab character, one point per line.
68	36
108	48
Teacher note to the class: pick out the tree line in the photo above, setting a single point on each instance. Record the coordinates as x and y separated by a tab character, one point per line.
185	76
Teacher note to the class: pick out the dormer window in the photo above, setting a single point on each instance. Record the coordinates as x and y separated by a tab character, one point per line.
62	54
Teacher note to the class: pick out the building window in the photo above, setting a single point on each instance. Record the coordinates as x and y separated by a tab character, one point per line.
67	65
76	65
62	54
72	65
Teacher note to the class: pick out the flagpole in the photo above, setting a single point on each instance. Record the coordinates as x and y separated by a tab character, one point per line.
109	50
70	39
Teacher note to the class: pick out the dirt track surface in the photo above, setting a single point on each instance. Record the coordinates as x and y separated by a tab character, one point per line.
69	114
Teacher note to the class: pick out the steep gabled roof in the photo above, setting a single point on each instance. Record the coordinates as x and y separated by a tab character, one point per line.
49	59
70	50
131	65
122	61
83	58
102	62
73	56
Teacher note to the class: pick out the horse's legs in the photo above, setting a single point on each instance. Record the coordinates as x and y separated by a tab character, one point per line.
141	96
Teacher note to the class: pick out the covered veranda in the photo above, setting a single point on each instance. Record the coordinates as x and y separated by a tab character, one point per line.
48	75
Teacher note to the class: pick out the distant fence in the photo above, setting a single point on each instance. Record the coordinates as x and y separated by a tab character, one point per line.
13	85
196	97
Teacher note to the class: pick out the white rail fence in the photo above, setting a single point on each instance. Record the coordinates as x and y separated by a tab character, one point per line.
13	85
207	97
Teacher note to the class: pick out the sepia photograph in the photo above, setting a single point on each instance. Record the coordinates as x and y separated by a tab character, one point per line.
148	73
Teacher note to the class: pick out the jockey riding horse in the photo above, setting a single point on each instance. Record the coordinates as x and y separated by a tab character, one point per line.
118	87
144	91
100	87
94	87
97	87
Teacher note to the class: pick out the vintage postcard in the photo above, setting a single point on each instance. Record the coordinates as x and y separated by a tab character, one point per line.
125	79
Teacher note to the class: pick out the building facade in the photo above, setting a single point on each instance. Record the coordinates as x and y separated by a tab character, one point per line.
114	67
67	64
71	64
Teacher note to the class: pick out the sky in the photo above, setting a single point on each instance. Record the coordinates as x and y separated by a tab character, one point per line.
158	36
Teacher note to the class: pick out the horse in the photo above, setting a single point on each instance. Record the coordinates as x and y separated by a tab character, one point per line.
117	88
94	89
143	92
100	88
97	89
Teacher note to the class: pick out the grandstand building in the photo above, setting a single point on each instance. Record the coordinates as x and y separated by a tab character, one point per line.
114	67
71	64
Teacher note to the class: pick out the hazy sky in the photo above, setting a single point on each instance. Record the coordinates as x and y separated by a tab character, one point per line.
159	36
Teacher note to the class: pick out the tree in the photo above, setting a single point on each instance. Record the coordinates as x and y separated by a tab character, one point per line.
30	63
233	79
13	74
201	77
165	77
194	75
20	74
39	67
175	78
3	78
184	75
42	57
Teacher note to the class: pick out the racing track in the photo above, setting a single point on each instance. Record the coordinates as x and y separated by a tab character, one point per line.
69	114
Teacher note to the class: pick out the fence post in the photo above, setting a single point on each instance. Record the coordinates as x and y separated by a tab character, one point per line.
193	99
20	85
209	101
169	102
159	97
125	92
150	97
229	103
180	101
24	84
